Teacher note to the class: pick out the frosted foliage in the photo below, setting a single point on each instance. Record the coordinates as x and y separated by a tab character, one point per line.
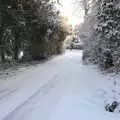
101	35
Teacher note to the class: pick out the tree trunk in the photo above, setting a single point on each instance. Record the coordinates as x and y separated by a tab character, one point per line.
2	55
16	53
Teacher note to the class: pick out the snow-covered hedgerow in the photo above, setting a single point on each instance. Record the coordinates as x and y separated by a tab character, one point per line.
101	34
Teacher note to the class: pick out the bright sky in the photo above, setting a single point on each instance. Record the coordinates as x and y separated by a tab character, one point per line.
68	9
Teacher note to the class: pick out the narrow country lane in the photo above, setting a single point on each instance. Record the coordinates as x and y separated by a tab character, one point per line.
60	89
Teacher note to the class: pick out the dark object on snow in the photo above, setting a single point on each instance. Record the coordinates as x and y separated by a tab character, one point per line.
112	107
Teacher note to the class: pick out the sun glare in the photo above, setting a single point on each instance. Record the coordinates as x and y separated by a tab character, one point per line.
67	9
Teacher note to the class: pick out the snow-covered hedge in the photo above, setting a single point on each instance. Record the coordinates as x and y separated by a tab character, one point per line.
100	33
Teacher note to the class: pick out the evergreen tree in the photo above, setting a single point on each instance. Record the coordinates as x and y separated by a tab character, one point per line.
33	27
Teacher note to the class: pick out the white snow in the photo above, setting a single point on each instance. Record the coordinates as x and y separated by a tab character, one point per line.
60	89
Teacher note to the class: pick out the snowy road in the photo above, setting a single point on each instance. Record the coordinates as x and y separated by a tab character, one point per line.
60	89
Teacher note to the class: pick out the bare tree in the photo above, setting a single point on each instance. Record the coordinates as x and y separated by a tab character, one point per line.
85	5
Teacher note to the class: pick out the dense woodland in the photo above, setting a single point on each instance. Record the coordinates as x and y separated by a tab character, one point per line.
32	29
100	33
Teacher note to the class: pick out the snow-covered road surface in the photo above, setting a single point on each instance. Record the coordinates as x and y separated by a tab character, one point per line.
60	89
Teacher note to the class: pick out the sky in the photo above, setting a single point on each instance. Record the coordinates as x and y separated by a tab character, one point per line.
68	9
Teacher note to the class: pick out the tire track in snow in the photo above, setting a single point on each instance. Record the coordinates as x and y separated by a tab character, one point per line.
7	94
43	90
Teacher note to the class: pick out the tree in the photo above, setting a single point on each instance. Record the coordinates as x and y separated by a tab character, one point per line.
84	5
108	32
103	43
11	22
42	17
25	27
87	32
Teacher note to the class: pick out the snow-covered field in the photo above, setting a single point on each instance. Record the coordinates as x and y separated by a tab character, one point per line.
60	89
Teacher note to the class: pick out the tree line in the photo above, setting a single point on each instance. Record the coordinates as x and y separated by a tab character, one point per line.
100	33
32	29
